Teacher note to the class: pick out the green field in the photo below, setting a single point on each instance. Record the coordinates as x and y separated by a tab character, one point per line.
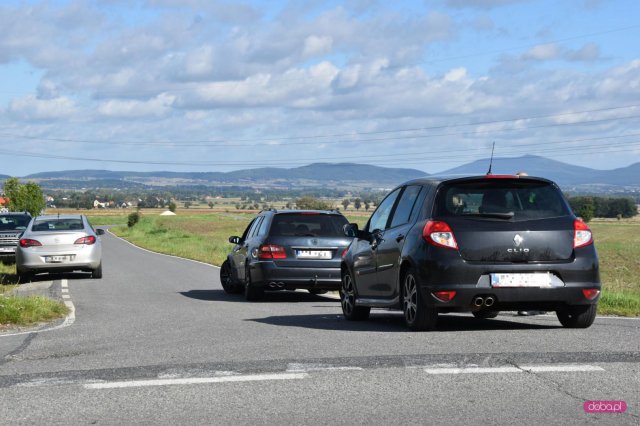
203	236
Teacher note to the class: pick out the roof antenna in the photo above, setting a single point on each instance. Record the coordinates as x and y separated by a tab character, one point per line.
491	161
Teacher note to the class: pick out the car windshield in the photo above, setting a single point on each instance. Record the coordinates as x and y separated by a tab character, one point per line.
308	224
57	225
502	199
14	222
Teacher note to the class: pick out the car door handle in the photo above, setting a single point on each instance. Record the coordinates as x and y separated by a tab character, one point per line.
400	237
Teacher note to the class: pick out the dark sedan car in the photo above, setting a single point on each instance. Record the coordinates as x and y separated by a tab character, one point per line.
480	244
286	250
12	225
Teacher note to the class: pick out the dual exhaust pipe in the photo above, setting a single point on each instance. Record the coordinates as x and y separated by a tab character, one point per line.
276	285
480	301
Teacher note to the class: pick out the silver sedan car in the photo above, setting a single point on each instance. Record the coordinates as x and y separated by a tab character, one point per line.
59	243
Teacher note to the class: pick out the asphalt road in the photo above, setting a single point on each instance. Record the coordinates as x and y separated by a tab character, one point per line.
157	341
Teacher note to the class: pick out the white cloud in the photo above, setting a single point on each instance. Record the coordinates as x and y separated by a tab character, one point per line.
131	109
32	108
543	52
314	45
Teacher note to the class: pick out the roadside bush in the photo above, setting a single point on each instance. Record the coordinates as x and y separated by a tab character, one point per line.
132	219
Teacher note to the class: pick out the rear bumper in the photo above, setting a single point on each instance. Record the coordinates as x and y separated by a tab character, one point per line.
267	274
510	299
471	280
86	259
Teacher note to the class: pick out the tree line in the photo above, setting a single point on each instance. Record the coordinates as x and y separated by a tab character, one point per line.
588	207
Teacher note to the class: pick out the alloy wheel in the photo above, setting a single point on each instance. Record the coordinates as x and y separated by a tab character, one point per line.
410	299
347	295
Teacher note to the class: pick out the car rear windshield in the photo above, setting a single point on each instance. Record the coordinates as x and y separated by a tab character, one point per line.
512	199
308	224
14	222
57	225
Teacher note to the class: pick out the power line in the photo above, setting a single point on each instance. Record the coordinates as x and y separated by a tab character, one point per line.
428	159
225	142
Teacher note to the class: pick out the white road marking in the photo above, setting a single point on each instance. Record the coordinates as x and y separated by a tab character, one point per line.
305	368
560	368
472	370
511	369
196	380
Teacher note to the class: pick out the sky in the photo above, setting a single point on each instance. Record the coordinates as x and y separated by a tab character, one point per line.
209	85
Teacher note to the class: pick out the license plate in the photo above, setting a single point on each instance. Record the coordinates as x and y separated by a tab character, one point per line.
520	280
7	249
313	254
56	259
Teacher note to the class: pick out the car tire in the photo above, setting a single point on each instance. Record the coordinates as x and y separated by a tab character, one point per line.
226	279
350	311
316	291
251	292
485	314
418	316
97	273
579	316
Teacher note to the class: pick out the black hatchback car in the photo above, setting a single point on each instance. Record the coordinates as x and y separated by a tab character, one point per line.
286	250
479	244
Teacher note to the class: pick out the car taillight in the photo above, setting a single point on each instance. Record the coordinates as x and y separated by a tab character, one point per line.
271	251
582	234
444	296
86	240
439	234
344	252
26	242
590	293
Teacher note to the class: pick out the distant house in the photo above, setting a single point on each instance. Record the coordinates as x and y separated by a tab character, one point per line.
4	201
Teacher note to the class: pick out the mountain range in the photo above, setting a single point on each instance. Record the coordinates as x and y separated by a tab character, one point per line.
337	175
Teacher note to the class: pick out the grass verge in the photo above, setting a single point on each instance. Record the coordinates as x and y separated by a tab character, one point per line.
20	310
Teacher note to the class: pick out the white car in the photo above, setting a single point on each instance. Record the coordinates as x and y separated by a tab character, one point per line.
59	243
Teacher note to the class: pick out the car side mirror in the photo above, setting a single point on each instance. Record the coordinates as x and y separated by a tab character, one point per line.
99	231
235	240
350	230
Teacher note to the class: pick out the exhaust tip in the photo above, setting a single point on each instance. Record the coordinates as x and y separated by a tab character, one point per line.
478	301
489	301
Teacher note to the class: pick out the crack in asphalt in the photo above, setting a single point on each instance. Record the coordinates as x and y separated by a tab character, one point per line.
559	387
13	355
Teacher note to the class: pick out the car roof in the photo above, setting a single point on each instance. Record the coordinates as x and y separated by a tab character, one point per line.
15	214
291	211
437	180
59	216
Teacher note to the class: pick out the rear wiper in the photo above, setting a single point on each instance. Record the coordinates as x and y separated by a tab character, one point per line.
496	215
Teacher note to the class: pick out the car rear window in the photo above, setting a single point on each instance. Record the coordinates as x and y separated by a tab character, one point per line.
502	199
57	225
14	222
309	224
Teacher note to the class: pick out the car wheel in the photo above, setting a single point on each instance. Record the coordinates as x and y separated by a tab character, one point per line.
226	279
417	315
484	314
350	311
581	316
316	291
251	292
97	273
